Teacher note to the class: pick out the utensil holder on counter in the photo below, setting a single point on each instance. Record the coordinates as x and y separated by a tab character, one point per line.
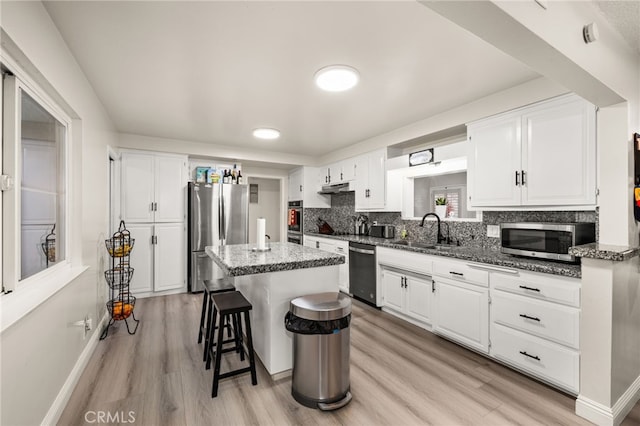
121	303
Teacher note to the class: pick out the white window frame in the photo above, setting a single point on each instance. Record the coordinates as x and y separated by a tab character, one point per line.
22	296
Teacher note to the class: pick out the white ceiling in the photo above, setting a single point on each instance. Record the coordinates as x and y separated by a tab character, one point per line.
625	18
212	71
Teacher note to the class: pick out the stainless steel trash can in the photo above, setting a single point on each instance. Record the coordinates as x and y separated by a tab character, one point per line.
321	340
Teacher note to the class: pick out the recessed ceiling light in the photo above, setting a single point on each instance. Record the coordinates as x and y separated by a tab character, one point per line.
266	133
337	78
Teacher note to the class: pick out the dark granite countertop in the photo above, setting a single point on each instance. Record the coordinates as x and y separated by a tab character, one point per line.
472	254
604	252
239	259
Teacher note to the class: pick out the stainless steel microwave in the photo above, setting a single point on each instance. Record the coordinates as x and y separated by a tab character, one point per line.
545	240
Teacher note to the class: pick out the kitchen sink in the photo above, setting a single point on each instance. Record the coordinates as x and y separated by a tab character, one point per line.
423	245
413	244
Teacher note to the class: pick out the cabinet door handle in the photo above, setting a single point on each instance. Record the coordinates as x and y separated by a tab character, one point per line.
401	282
155	207
341	178
317	244
530	356
458	274
517	178
433	286
300	188
524	287
523	180
530	318
326	179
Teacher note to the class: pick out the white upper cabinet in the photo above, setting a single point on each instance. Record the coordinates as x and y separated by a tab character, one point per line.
153	187
371	180
304	184
541	155
339	172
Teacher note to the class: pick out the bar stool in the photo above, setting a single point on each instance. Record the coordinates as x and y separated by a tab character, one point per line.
229	307
211	287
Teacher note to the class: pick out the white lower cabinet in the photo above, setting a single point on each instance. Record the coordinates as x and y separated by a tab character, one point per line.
462	312
158	257
527	320
407	293
333	246
548	361
535	326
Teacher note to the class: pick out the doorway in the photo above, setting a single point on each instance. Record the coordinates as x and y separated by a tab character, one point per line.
264	201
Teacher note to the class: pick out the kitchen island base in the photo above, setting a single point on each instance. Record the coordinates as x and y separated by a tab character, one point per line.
270	294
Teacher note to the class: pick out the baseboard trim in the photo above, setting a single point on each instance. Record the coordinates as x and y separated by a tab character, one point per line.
56	409
604	416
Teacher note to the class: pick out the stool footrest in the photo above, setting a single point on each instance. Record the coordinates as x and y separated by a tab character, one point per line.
234	372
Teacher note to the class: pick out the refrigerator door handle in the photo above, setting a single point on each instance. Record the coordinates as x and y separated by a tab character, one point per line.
223	231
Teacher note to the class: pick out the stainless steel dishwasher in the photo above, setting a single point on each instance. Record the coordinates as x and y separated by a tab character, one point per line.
362	272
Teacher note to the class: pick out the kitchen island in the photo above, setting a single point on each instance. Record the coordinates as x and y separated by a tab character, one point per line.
269	280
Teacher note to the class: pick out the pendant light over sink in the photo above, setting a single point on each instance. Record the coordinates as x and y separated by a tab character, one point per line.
337	78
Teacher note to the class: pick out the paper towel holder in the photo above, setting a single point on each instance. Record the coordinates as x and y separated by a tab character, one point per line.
267	248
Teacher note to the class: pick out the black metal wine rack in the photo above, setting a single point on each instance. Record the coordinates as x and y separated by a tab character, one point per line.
121	302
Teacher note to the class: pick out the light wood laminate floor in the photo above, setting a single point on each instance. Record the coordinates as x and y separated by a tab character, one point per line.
400	375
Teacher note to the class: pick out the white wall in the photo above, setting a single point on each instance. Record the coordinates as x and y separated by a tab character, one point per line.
39	351
268	207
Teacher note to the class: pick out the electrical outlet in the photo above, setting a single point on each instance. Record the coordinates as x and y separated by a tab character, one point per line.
493	231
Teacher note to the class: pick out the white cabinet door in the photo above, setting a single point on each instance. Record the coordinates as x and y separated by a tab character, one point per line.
141	259
169	256
170	184
295	185
377	179
558	154
393	290
492	162
335	172
362	182
418	297
348	169
311	242
137	187
342	248
462	313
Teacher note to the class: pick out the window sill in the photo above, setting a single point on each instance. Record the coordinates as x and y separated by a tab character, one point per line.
28	297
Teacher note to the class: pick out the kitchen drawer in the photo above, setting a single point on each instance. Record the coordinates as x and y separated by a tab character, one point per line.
551	321
540	286
539	357
461	271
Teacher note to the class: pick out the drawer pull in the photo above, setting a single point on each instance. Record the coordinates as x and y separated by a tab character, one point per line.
529	288
459	274
531	318
530	356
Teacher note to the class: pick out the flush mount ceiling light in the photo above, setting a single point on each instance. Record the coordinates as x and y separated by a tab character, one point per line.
266	133
337	78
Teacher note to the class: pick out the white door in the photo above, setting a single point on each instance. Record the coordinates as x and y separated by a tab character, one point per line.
170	189
462	313
137	187
169	256
493	162
393	289
558	154
418	297
342	248
377	179
362	182
141	259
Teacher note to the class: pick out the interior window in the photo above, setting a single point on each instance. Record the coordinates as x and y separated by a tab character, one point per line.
34	152
452	186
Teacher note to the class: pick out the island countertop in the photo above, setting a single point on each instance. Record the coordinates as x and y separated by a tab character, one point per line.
238	259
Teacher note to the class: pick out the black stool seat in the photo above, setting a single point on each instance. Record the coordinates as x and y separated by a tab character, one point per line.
218	286
210	287
229	306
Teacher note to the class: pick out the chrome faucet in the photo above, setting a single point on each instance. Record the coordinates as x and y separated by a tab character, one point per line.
439	237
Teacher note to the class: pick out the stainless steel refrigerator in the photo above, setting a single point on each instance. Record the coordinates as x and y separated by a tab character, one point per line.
218	215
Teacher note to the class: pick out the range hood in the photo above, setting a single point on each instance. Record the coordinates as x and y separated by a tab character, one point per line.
336	188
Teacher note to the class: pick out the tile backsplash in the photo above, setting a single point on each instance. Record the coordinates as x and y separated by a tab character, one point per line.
342	214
